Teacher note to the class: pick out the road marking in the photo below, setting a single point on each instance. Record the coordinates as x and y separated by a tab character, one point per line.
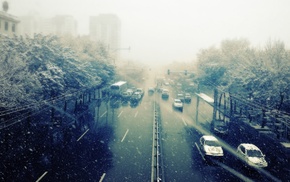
41	176
184	122
103	113
120	113
125	135
136	114
82	135
236	173
103	176
199	151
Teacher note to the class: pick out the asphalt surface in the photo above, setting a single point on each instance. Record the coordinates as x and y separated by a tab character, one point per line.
114	143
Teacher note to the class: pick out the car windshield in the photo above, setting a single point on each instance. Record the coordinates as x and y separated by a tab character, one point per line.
65	66
254	153
212	143
220	124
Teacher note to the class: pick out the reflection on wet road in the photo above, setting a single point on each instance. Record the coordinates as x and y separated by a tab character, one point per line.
115	144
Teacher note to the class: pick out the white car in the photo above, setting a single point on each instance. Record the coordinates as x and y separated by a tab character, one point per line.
252	155
126	95
210	146
177	104
136	96
180	96
130	91
140	90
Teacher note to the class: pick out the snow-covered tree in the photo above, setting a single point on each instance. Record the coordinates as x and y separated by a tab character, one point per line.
35	69
262	75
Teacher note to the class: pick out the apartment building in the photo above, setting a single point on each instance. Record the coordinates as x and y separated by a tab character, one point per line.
106	29
8	24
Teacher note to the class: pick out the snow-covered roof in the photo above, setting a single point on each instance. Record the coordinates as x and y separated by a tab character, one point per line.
206	97
209	137
250	146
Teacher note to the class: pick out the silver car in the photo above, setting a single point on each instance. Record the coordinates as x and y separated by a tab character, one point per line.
252	155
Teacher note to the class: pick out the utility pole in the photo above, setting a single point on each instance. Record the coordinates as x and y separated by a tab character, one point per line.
114	51
215	104
197	105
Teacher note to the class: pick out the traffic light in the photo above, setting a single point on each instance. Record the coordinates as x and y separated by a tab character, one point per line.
185	72
168	72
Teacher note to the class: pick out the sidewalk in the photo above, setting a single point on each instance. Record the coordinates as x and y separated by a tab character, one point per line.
265	134
254	128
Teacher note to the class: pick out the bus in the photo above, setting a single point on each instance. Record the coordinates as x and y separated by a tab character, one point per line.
118	88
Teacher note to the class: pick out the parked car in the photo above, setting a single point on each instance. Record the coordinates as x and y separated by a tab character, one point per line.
177	104
187	98
165	94
211	147
181	97
220	127
252	155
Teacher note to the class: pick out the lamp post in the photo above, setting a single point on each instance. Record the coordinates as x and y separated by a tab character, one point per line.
118	49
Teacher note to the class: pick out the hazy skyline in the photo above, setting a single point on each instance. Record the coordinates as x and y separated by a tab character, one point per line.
174	30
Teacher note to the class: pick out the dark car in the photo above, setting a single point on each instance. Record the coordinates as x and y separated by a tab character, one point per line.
220	127
165	94
187	98
151	91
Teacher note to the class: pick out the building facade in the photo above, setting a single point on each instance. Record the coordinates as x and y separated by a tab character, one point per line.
64	25
106	29
8	24
30	24
60	25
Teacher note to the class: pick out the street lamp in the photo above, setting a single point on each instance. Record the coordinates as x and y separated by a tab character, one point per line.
118	49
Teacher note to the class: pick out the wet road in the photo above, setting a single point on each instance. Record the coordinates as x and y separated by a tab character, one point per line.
131	143
116	145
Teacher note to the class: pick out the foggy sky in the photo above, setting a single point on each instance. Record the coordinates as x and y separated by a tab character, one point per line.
175	30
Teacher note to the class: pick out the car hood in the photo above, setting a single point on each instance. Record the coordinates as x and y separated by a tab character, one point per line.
213	149
178	104
221	128
259	161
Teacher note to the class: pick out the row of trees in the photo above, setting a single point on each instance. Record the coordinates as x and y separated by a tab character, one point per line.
249	73
36	69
